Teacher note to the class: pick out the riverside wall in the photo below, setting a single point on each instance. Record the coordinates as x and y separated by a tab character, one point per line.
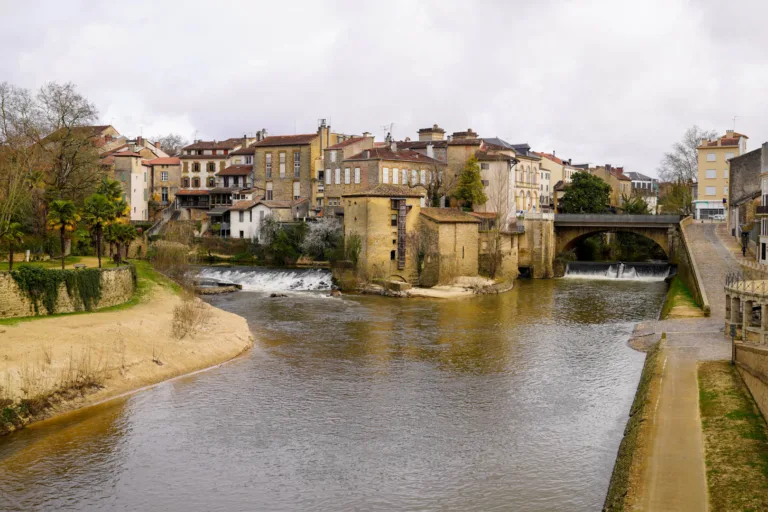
752	363
688	269
117	287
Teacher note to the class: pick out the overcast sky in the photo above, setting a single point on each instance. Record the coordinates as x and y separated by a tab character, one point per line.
598	81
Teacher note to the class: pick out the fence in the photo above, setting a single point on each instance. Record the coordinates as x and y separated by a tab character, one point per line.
742	283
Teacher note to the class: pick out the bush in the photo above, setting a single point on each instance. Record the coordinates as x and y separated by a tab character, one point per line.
42	285
323	237
354	245
189	317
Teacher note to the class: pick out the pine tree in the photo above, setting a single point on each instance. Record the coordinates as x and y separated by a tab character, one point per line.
470	191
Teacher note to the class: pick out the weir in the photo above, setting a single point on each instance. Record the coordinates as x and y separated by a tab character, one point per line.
631	271
269	279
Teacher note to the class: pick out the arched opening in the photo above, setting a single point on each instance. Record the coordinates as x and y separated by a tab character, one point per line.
615	245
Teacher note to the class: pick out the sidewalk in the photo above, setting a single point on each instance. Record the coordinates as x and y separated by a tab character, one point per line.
674	477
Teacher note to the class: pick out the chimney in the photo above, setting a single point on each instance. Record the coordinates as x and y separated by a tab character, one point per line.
553	153
729	133
430	151
608	167
388	139
407	139
366	134
139	141
393	146
569	161
159	145
245	141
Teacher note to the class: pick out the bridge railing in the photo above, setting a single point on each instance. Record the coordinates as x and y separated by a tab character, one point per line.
602	218
742	283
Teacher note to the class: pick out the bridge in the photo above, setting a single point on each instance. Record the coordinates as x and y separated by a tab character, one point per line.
662	229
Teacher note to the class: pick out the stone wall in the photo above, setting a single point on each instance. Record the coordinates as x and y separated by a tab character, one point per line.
688	270
752	363
117	287
744	180
508	268
538	245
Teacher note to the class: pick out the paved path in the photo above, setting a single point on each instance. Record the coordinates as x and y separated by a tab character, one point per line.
675	477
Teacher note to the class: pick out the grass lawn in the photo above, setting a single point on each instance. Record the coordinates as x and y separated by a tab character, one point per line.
69	262
146	279
680	303
735	440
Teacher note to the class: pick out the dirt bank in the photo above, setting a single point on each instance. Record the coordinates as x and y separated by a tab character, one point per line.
105	354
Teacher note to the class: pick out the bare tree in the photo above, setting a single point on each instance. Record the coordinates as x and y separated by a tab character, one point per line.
681	164
434	181
171	143
499	203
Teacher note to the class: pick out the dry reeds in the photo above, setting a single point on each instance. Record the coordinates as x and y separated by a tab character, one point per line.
190	316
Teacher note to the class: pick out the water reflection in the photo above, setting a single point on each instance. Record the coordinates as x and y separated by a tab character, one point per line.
516	401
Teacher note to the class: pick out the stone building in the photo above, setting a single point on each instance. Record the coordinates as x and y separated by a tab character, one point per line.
553	170
385	217
713	172
497	171
761	209
201	161
449	238
743	190
165	181
328	191
621	185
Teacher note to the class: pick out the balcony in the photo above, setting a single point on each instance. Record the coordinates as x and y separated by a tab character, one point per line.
761	211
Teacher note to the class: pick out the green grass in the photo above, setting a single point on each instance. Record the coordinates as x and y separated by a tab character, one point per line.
56	263
735	440
677	295
146	279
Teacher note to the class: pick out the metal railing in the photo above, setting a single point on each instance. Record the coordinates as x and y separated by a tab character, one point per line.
741	283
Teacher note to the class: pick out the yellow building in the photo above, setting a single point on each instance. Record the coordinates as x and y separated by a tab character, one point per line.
384	217
621	185
713	173
450	243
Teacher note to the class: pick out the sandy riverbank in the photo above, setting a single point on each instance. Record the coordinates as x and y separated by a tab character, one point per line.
125	350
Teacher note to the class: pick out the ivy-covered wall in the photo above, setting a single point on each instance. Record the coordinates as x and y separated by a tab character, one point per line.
48	291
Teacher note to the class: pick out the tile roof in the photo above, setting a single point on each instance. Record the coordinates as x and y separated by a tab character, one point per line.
422	144
483	215
212	144
192	192
348	142
286	140
550	156
127	153
243	151
387	190
171	160
636	176
244	205
486	156
236	170
386	153
449	215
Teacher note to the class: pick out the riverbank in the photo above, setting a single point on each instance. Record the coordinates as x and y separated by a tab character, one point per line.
50	366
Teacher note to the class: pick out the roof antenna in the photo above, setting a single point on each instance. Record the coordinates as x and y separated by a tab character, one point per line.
734	122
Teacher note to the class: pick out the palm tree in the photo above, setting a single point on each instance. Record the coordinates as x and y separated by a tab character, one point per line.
111	189
12	235
62	216
125	234
111	236
98	212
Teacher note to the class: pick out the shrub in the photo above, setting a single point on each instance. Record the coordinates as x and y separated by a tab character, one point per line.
323	237
189	317
42	285
353	247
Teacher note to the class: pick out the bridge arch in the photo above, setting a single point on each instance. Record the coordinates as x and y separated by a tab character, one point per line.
574	237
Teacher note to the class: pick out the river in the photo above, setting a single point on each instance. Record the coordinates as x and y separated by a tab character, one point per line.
502	402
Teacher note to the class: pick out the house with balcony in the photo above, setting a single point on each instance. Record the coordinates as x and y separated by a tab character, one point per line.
165	182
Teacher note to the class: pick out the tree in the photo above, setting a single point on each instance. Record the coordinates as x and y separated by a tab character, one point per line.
469	190
323	237
98	212
63	217
498	203
12	236
113	191
171	143
126	233
676	199
681	165
634	205
587	193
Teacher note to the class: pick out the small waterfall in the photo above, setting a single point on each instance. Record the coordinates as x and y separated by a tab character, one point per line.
618	271
270	280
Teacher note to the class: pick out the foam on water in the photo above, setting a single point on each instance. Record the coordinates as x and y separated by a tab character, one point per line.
618	271
270	280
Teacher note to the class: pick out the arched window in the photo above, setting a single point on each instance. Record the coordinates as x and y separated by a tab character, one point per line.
211	181
185	182
211	166
195	182
195	166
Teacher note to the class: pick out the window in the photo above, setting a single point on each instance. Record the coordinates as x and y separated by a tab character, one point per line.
195	182
226	181
164	176
728	156
414	177
346	175
296	164
392	255
357	175
338	176
725	190
484	167
268	165
711	173
423	177
195	166
145	176
711	157
248	160
211	181
164	194
185	183
236	180
485	182
241	217
241	234
327	176
404	176
269	191
385	175
395	174
282	165
393	220
211	166
296	189
333	156
725	173
710	191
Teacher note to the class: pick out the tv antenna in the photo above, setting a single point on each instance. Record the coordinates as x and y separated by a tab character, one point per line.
388	128
734	122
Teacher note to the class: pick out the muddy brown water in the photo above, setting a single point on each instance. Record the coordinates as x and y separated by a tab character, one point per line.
506	402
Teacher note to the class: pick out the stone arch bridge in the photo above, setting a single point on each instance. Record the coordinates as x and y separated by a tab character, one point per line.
662	229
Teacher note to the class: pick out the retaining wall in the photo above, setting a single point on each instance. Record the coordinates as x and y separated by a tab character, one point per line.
752	363
688	270
117	287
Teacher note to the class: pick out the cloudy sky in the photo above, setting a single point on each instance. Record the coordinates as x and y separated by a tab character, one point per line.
609	81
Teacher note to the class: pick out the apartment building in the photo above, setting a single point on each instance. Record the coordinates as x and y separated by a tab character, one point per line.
132	171
713	173
330	185
645	187
497	170
621	185
165	181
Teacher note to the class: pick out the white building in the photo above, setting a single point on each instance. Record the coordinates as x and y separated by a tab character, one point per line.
246	216
133	172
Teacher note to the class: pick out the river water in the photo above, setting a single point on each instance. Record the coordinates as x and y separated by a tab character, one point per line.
505	402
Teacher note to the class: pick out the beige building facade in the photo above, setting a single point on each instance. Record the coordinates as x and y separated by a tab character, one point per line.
714	171
450	239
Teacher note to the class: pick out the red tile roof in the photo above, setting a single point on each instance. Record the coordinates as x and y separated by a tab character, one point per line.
286	140
348	142
385	190
210	144
243	151
244	205
550	156
386	153
236	170
422	144
170	160
192	192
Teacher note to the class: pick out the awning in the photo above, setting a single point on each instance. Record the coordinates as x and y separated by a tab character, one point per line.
217	211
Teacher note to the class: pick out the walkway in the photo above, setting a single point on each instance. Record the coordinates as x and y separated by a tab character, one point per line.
675	477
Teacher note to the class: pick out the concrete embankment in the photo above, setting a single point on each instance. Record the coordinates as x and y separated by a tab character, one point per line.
626	480
54	365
